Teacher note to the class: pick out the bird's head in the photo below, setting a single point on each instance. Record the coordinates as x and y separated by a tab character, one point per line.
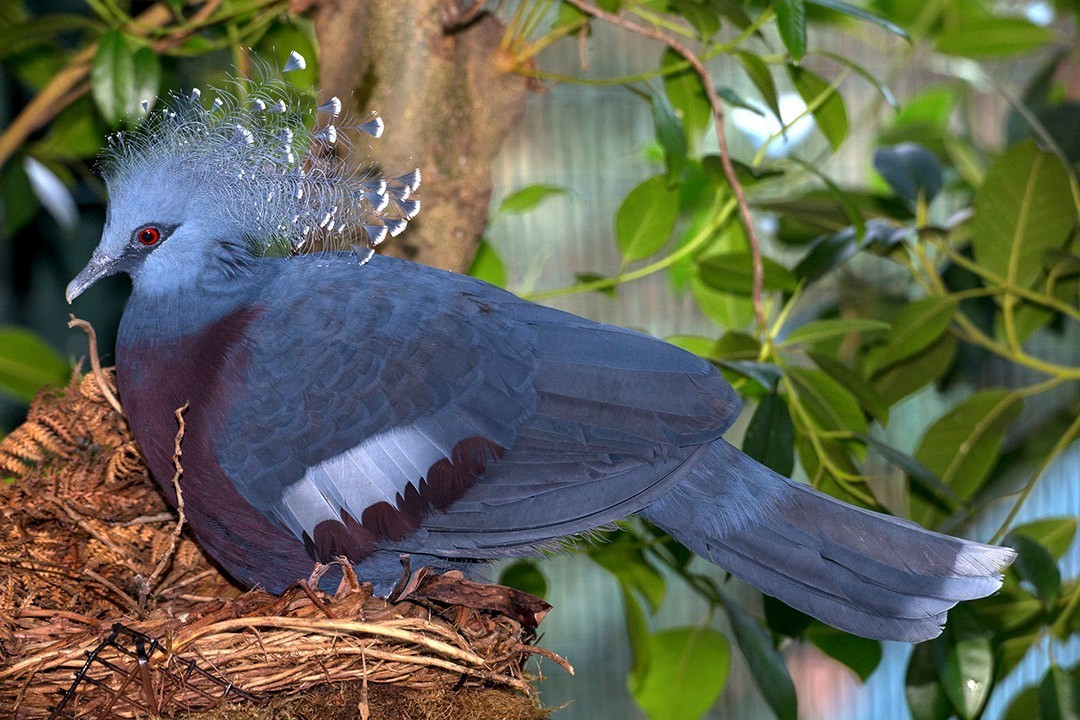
209	183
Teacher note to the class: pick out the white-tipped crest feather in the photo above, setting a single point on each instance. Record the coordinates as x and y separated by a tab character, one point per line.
266	173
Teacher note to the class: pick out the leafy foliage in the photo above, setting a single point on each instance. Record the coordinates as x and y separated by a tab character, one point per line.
838	353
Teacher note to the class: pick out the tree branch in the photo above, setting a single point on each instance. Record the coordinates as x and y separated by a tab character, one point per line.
718	114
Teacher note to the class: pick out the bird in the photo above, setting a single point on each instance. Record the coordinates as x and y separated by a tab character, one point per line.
347	404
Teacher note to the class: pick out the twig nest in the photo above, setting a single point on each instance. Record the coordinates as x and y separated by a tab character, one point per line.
84	634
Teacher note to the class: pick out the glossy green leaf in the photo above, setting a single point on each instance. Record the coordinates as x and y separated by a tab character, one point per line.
962	445
1059	695
899	380
826	254
646	218
112	77
830	404
964	656
723	308
286	34
915	327
1024	705
817	331
924	482
145	80
766	664
860	13
27	364
992	37
77	133
862	655
831	114
637	632
869	398
783	619
1053	533
701	16
19	202
686	673
622	557
760	74
766	375
911	170
1023	209
922	687
529	197
791	22
487	265
669	133
524	575
770	436
734	273
687	96
1037	566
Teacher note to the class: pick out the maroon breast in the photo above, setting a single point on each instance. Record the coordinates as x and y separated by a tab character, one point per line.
157	378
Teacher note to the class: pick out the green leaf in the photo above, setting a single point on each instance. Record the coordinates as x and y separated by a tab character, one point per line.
701	16
926	483
687	670
646	218
529	197
526	576
622	557
284	36
761	76
734	273
1024	705
770	436
637	632
43	29
861	14
964	657
1059	695
817	331
1037	566
911	170
831	405
862	655
723	308
901	379
915	327
991	37
1023	209
922	687
77	133
669	133
19	202
827	253
962	445
831	114
859	386
145	80
27	363
764	374
487	265
687	96
767	666
1054	533
112	77
791	22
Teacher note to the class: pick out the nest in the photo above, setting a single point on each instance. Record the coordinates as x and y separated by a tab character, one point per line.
108	610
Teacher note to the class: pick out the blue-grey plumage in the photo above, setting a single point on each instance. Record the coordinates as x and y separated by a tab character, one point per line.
363	411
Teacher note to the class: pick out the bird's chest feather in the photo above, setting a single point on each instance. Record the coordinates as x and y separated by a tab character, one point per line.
157	377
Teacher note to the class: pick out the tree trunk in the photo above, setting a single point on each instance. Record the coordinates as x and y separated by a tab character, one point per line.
447	101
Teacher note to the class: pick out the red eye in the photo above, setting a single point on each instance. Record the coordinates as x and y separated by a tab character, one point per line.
149	235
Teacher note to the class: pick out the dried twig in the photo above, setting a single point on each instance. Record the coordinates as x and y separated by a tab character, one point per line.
718	113
95	362
177	451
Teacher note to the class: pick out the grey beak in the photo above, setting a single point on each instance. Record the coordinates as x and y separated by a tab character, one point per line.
99	266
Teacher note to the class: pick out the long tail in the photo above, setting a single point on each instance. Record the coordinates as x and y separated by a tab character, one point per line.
860	571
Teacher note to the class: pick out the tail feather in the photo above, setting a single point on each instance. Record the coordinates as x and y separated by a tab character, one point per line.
867	573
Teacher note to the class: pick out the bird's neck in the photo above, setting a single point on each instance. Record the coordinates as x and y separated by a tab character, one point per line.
155	315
